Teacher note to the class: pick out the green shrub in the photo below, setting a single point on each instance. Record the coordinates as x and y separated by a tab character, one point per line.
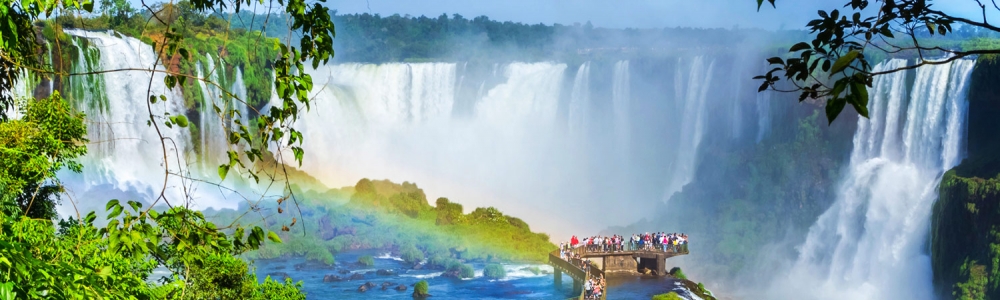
366	260
467	271
668	296
411	255
321	255
421	288
678	273
494	271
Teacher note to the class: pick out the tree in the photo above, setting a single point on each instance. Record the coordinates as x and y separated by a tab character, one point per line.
82	260
835	65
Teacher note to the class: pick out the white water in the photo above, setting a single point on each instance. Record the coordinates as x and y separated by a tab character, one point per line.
872	243
691	93
125	153
763	114
579	103
512	146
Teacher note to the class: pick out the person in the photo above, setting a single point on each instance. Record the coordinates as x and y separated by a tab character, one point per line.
589	287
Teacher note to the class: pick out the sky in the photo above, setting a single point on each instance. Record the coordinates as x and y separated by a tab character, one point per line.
789	14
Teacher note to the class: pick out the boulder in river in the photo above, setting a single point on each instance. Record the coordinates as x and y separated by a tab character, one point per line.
356	276
418	266
332	278
401	287
370	284
363	288
384	272
344	271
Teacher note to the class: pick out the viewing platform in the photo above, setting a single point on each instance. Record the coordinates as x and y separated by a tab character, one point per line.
651	262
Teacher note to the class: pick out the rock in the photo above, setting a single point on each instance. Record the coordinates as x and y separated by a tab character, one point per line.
363	288
332	278
370	284
385	284
312	265
344	271
384	272
418	266
356	276
400	287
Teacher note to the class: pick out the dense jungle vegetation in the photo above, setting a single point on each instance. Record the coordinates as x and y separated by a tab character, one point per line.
384	215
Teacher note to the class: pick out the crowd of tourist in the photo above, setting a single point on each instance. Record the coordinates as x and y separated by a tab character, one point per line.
657	241
595	287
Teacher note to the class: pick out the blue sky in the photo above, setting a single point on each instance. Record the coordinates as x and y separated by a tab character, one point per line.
630	13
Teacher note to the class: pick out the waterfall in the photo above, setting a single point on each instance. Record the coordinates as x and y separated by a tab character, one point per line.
214	126
620	100
763	114
125	153
580	101
872	242
691	84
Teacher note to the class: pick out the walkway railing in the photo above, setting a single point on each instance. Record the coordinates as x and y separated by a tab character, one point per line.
574	267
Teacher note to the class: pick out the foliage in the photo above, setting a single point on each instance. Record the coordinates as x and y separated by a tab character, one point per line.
975	287
411	255
460	270
367	221
668	296
366	260
32	149
420	288
494	271
842	41
81	260
676	272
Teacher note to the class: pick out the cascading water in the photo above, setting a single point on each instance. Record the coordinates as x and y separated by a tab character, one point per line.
125	152
214	126
621	94
763	114
691	97
579	103
872	242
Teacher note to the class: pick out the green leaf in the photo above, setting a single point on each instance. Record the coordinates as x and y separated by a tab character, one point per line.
860	99
844	61
180	120
799	47
104	271
112	203
271	235
223	170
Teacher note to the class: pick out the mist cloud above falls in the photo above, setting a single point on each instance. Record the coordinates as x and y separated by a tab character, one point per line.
624	14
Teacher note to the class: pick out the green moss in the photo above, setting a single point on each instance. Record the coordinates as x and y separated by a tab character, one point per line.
668	296
676	272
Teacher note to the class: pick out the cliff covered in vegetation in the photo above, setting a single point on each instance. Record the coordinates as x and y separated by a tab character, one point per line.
965	232
394	217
